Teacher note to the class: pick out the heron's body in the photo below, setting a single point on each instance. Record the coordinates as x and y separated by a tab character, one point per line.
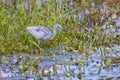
43	33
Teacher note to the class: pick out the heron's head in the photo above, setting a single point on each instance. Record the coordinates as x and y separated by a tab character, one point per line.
58	26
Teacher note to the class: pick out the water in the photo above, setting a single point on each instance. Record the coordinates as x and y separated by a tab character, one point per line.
93	67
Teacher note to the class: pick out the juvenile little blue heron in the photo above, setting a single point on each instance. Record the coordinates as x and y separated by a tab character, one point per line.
42	33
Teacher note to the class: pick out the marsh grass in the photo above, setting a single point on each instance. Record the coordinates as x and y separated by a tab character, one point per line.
15	38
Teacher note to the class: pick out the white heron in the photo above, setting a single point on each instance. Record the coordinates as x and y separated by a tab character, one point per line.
42	33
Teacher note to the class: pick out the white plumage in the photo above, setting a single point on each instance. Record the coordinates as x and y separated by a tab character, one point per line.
43	33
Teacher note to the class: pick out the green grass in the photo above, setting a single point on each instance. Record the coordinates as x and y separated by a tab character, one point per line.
15	38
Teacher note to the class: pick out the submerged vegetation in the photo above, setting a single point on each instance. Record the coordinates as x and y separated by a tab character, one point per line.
83	20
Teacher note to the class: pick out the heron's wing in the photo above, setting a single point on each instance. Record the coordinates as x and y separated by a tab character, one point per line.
42	28
46	31
36	32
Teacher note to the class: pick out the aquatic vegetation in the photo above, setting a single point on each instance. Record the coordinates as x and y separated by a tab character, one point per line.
68	75
92	32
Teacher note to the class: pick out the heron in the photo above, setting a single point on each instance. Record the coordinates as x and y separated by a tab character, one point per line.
42	33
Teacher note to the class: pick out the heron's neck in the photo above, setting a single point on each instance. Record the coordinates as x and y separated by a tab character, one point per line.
53	32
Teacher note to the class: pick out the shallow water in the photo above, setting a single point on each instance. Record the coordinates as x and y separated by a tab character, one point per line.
66	66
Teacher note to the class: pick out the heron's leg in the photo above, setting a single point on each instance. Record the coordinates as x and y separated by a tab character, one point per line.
44	44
